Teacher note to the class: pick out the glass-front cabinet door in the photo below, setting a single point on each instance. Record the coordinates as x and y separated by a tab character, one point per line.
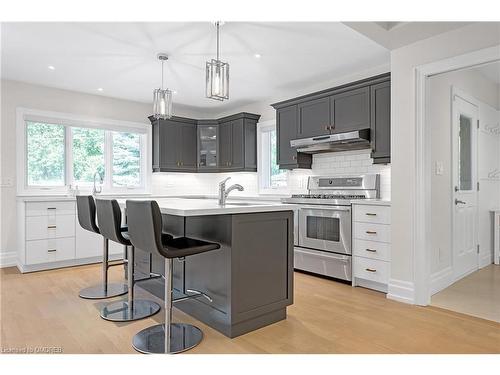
207	146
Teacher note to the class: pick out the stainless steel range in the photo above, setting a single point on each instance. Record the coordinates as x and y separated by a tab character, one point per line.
323	222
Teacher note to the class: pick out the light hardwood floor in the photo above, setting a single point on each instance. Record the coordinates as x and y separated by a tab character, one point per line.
43	309
478	294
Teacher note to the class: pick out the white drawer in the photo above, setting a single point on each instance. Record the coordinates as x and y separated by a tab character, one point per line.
50	208
371	269
372	249
372	214
50	250
51	226
372	232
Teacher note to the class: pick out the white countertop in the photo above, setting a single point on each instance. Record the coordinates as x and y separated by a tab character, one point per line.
203	207
372	202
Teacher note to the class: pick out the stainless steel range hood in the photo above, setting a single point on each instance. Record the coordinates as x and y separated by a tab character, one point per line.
355	140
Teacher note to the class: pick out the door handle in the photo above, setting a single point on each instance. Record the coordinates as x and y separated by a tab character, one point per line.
457	201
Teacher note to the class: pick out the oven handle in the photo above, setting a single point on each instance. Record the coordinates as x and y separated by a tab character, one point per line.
324	208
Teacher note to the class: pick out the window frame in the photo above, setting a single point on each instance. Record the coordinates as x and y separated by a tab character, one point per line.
263	162
70	121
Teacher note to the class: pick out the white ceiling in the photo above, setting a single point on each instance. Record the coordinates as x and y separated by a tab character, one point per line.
121	58
491	71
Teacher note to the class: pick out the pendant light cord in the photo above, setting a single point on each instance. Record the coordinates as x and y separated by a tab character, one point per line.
217	24
162	75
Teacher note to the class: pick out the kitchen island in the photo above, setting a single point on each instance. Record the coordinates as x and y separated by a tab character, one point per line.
250	278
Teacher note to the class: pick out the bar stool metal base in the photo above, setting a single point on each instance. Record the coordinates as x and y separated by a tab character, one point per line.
152	340
100	292
120	311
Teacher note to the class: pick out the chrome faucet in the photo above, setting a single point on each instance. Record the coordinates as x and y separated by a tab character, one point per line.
97	190
223	192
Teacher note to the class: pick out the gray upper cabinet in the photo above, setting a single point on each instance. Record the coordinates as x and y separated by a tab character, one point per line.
187	145
381	122
350	110
314	118
286	130
364	104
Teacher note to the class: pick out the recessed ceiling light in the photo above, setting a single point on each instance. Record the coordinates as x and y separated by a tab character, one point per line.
257	56
100	89
51	67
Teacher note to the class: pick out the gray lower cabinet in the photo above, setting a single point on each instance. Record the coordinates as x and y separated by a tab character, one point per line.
360	105
286	130
187	145
381	122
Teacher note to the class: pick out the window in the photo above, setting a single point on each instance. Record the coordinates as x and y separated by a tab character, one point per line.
272	180
60	152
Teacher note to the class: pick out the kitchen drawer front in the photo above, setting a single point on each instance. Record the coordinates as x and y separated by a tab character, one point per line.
372	214
323	263
50	250
372	249
371	269
52	226
50	208
372	232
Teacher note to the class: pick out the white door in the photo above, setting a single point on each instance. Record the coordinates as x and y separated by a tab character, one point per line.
464	163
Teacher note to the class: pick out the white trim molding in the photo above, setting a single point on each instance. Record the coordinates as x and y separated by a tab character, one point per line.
8	259
441	280
421	238
401	291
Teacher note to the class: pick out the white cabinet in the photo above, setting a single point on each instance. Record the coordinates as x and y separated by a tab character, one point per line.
49	236
371	232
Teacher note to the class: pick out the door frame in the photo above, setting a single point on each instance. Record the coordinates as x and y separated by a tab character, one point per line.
456	92
421	213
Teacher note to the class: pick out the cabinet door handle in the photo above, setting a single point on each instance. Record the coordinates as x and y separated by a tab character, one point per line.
371	250
51	226
370	214
370	270
327	127
371	232
51	250
294	157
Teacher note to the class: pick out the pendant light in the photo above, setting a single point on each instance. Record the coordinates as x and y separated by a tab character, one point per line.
162	98
217	76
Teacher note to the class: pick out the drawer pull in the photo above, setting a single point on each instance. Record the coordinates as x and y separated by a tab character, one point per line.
371	250
51	250
51	208
51	226
370	214
370	270
371	232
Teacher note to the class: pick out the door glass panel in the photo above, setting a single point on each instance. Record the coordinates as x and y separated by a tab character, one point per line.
208	146
465	153
323	228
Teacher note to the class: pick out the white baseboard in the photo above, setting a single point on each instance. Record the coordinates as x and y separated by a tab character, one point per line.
24	268
485	259
401	291
441	280
8	259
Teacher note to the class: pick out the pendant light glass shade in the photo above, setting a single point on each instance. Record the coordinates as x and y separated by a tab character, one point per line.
162	104
162	98
217	76
217	80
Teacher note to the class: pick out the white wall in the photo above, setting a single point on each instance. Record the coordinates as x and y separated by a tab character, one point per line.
474	84
17	94
403	62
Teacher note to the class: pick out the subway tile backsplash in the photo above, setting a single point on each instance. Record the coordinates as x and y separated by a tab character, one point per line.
339	163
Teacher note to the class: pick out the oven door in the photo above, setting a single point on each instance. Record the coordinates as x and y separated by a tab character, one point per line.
326	228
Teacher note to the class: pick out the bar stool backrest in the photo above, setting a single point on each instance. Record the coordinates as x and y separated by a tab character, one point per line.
145	227
85	207
109	216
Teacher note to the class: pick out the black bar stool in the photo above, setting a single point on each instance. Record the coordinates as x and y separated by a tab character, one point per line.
109	217
145	231
87	218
